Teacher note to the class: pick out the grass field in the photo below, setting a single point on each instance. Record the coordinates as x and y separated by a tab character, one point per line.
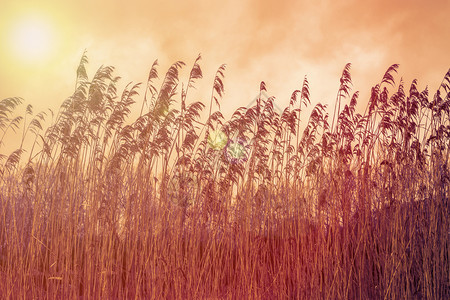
179	203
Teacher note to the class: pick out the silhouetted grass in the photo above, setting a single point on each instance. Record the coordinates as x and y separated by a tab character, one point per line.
106	206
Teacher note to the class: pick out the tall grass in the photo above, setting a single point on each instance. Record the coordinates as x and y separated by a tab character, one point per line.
107	206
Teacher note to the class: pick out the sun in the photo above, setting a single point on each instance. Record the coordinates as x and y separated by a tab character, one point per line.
31	39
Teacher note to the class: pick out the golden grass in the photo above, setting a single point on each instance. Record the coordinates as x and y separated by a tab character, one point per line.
111	208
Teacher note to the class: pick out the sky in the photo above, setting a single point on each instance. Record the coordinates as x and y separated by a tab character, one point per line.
278	42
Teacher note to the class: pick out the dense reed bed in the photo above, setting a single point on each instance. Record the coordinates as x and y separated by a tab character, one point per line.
179	203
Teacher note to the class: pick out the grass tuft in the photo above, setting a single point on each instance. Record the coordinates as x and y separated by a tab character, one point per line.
108	206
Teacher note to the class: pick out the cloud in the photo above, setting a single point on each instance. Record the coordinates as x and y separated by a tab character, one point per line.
275	41
249	35
412	33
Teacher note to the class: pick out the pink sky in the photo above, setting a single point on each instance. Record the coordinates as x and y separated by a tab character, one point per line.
276	41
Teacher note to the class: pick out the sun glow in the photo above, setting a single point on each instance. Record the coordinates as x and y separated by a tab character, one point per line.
31	39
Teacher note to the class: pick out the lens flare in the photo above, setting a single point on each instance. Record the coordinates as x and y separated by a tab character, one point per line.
217	140
237	151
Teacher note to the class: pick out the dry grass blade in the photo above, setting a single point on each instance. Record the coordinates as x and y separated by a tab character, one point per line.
111	207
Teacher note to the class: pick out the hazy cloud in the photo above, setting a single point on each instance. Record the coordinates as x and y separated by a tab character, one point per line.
275	41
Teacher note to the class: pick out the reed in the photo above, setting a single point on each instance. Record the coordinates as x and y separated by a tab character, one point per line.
108	205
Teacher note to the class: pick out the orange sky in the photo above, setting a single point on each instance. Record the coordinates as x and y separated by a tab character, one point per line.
276	41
